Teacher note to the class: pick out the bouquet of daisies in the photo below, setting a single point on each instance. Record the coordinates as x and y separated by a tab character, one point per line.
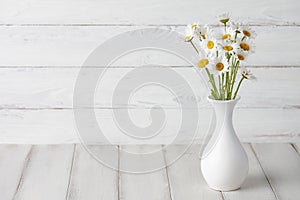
222	53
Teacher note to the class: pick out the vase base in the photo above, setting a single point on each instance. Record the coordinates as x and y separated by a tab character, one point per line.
224	190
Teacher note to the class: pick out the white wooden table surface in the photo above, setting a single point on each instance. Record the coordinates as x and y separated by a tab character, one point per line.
54	172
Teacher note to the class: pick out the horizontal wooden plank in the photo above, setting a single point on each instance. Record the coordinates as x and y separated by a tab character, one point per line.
54	88
58	126
145	12
281	165
70	46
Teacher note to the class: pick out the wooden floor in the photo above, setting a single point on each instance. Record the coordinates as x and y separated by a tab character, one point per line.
55	172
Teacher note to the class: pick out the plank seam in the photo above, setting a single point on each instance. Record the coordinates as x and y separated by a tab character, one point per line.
71	172
166	171
287	107
288	24
131	67
296	148
118	175
264	172
25	165
223	195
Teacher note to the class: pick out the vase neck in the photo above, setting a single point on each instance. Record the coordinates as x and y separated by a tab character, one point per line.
224	111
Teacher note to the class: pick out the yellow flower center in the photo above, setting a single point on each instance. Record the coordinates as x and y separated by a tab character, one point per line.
225	20
240	57
203	36
203	62
245	46
226	36
219	66
188	38
194	26
247	33
227	48
210	44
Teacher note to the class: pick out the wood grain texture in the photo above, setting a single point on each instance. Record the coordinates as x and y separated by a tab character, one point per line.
90	179
41	53
70	46
57	126
256	185
145	12
148	185
281	164
54	88
185	177
46	175
13	159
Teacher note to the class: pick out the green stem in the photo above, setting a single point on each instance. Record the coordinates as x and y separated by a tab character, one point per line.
220	87
226	85
235	36
223	79
194	47
235	67
215	87
238	87
223	86
212	81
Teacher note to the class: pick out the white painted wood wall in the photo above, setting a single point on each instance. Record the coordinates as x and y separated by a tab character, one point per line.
44	43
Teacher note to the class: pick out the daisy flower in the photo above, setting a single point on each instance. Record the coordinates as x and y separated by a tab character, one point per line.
189	33
224	18
247	74
221	54
228	47
194	26
246	45
236	30
219	65
248	32
209	45
201	61
202	32
234	25
241	55
227	34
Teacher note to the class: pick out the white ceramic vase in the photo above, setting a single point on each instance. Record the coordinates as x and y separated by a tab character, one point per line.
224	162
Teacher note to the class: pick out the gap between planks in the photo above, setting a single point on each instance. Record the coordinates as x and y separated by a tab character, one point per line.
144	25
166	170
27	160
296	147
280	163
118	174
71	171
49	67
267	178
28	174
132	67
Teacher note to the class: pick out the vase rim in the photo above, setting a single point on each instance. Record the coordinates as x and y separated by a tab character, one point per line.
210	99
